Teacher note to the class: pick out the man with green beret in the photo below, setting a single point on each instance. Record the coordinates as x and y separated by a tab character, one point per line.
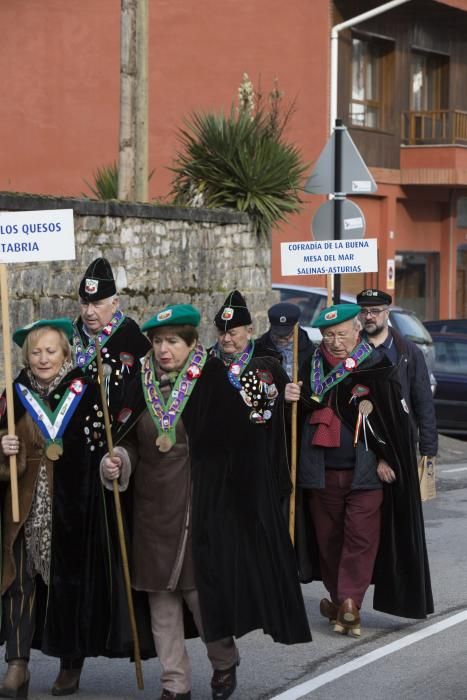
359	518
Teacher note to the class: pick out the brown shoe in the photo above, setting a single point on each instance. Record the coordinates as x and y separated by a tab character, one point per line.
329	610
223	683
67	681
15	682
348	619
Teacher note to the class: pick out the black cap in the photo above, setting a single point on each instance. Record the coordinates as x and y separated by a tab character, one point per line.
233	313
373	297
283	317
98	281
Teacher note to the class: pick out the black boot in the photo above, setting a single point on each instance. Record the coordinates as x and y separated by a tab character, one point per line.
67	681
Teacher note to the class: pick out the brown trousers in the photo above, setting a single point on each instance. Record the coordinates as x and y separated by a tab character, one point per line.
347	524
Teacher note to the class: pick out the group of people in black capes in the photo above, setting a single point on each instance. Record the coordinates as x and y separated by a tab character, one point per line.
201	452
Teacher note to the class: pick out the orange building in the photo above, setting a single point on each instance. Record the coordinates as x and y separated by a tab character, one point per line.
401	91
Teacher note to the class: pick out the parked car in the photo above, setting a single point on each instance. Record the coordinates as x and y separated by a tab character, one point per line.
451	377
447	325
312	300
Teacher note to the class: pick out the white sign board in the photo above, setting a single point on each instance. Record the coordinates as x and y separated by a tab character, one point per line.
37	236
329	257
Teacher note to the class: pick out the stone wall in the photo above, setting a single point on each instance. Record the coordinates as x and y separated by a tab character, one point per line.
159	255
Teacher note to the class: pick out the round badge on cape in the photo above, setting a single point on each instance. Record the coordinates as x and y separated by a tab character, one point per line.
350	363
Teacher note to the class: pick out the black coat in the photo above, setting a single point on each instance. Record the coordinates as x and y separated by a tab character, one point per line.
416	390
244	561
401	573
245	570
126	339
79	613
265	346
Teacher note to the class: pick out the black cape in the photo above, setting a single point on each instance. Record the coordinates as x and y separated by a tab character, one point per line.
401	574
245	569
83	611
126	340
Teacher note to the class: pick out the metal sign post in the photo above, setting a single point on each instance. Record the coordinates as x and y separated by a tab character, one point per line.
340	169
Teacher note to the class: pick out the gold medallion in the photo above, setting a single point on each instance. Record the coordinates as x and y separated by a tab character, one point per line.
54	451
365	407
164	443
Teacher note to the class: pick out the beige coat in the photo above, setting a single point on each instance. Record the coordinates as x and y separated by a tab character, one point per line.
161	551
31	451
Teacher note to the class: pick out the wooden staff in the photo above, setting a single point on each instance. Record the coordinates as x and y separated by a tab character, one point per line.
121	534
9	389
293	451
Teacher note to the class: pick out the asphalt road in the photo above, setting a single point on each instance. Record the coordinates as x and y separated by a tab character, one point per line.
395	657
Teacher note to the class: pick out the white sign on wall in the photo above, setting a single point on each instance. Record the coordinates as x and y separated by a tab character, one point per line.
37	236
329	257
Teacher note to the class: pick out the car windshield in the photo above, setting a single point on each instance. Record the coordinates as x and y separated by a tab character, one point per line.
410	326
310	304
451	356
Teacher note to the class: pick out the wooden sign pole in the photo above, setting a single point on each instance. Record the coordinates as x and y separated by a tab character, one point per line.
9	388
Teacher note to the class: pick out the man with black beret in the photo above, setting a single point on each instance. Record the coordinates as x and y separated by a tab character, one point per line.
246	564
122	347
279	338
121	340
359	516
404	353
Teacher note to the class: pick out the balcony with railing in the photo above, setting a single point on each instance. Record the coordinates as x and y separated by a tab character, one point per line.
434	148
434	127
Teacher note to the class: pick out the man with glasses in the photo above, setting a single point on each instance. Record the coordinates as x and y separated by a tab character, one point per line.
404	353
359	516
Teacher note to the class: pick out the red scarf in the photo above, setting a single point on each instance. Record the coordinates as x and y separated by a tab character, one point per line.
328	431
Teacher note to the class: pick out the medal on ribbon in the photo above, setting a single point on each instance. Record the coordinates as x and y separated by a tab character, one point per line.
321	384
52	424
166	414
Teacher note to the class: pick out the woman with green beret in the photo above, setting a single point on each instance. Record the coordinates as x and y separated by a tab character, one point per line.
55	576
208	528
153	443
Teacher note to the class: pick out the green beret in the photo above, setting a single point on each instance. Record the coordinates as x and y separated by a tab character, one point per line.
60	324
174	315
332	315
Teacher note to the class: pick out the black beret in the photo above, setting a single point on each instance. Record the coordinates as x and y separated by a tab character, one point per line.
233	313
283	317
373	297
98	281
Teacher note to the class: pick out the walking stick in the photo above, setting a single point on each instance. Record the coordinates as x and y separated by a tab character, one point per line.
9	389
121	535
293	437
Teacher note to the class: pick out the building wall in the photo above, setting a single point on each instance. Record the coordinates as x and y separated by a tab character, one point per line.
61	119
159	255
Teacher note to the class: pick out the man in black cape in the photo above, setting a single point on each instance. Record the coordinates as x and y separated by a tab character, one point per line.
354	403
122	347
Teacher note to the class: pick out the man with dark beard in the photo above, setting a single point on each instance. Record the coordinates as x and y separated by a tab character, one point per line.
409	359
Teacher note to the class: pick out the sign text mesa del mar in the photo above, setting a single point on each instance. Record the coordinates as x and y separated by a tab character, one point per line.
329	257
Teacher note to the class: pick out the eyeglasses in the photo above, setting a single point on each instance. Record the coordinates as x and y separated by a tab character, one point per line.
371	312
